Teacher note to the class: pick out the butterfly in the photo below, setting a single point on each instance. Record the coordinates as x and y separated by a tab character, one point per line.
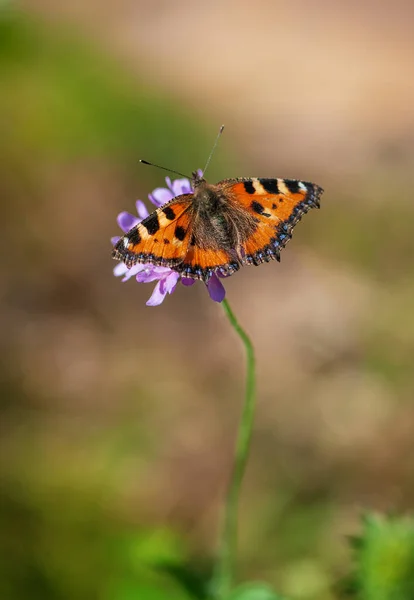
219	228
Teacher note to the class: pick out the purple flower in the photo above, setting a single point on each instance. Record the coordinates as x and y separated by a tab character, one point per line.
165	277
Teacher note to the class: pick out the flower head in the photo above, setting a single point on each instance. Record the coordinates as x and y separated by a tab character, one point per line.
165	277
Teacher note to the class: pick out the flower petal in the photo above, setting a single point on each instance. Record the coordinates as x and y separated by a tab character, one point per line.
147	277
126	221
152	273
132	271
160	196
157	296
115	239
187	281
141	209
120	269
181	186
216	289
148	274
169	282
161	271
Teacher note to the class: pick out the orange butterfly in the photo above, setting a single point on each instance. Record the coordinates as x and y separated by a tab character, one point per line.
218	228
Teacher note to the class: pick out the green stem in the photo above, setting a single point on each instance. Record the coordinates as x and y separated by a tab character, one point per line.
224	569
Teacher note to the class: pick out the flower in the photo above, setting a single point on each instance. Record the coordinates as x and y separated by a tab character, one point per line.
165	277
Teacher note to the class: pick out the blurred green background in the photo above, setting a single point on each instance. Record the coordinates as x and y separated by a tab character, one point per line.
118	420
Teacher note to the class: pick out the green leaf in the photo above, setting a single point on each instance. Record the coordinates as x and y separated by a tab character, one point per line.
384	559
254	591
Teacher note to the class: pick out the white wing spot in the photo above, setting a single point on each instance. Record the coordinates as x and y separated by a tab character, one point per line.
282	187
258	186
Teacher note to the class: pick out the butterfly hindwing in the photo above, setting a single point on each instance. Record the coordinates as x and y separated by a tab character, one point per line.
277	206
201	263
162	238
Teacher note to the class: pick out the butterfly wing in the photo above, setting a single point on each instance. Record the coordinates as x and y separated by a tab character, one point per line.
277	206
160	239
201	263
256	217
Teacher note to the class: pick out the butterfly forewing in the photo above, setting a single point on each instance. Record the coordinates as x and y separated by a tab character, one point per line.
277	205
162	238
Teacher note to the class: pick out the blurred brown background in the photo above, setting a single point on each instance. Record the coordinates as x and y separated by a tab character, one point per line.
118	420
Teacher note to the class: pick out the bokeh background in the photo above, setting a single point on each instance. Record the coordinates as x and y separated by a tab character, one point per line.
118	420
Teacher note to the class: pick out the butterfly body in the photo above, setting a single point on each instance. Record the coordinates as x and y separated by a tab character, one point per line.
220	227
219	222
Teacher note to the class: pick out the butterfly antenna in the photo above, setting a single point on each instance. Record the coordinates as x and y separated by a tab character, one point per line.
145	162
214	147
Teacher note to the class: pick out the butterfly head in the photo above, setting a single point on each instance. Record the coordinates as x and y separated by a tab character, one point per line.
197	179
